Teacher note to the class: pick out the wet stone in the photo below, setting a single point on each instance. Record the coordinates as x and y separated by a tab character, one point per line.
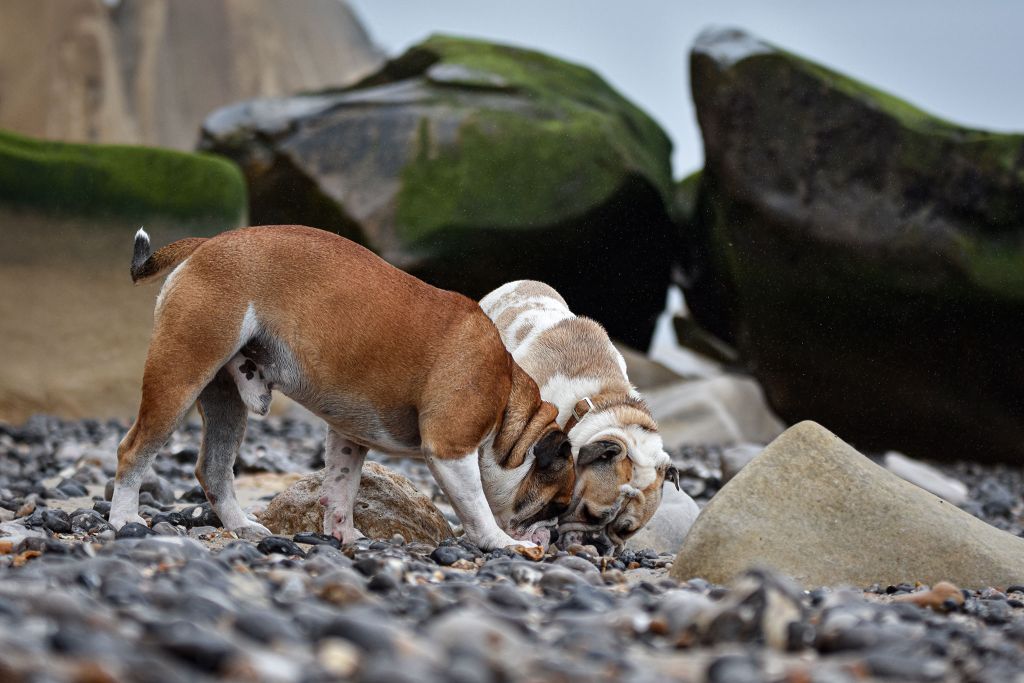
734	669
312	538
56	521
134	530
278	544
447	555
193	495
72	488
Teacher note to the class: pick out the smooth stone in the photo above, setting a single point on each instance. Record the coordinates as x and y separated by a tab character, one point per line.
760	607
196	494
72	488
310	538
167	529
240	552
57	521
277	544
266	626
134	530
734	669
19	531
735	458
446	555
679	610
387	504
89	521
201	647
814	508
667	528
724	410
927	477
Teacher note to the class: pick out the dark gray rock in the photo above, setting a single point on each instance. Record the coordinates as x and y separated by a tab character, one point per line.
851	247
134	530
370	162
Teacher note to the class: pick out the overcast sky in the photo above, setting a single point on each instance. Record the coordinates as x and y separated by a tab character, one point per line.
961	60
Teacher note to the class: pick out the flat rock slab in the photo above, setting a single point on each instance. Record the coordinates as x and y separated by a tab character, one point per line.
814	508
387	504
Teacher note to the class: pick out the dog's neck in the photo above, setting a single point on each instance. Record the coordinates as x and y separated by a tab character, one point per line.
511	446
625	401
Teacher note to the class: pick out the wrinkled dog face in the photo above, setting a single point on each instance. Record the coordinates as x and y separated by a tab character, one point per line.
619	474
547	491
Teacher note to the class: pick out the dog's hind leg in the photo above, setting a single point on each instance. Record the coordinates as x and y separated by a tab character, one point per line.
344	460
165	401
224	415
190	344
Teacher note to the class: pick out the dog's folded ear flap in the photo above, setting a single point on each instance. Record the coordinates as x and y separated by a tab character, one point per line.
672	475
599	450
553	450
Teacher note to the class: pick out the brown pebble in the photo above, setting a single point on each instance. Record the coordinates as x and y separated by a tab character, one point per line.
6	547
935	598
26	509
536	553
576	549
23	558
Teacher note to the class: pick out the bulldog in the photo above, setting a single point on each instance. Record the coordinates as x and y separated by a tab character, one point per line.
621	464
386	360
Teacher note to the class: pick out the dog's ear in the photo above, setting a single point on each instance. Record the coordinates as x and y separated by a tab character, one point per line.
553	450
599	450
672	475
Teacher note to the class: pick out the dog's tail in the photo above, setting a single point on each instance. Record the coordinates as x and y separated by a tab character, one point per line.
146	265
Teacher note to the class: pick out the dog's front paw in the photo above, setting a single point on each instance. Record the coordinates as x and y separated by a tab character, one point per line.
118	521
499	539
252	531
338	524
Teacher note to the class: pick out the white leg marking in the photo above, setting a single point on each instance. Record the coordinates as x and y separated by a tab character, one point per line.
124	506
344	460
459	478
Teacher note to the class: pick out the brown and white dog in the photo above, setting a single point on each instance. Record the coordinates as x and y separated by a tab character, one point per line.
620	460
388	361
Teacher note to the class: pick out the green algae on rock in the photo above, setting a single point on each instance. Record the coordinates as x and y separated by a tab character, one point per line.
866	259
120	181
470	164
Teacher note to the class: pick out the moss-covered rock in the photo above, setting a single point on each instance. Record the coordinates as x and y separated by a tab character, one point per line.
108	181
866	258
471	164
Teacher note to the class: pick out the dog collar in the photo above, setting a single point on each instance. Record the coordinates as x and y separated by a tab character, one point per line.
579	411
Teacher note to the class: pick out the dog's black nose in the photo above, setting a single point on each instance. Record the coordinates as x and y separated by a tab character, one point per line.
602	544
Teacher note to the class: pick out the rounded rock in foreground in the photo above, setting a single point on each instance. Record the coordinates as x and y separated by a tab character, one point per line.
134	530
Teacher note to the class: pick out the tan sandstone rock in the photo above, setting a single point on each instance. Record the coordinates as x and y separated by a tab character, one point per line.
814	508
149	71
387	504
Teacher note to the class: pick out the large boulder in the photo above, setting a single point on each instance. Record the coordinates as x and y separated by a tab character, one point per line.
148	71
471	164
387	504
866	259
812	507
133	184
